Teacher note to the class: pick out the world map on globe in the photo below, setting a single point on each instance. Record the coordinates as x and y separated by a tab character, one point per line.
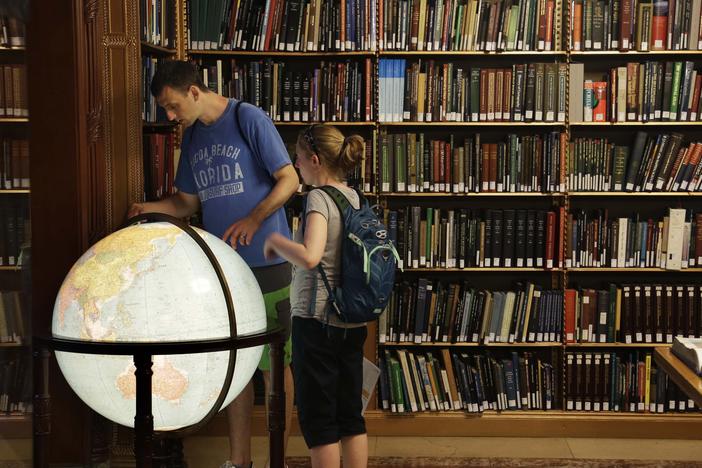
152	282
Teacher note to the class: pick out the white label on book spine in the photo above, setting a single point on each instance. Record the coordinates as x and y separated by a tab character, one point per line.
639	337
627	338
528	114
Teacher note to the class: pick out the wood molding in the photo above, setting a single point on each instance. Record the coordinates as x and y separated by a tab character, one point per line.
120	79
507	424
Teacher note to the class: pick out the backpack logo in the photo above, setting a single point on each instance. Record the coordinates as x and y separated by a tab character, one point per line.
382	234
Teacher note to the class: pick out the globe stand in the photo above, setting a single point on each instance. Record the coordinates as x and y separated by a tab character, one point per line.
142	353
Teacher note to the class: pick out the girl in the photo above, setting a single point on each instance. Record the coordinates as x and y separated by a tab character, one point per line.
327	353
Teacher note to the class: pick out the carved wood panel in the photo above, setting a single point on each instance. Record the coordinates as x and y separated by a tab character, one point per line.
120	80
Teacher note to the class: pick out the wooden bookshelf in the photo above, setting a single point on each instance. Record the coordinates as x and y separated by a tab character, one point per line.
617	345
631	270
154	49
452	123
12	344
637	194
682	375
470	194
14	120
632	53
278	53
14	191
482	270
338	124
636	124
16	427
472	345
10	268
160	125
470	53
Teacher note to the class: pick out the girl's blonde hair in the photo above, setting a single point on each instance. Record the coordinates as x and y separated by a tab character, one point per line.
339	154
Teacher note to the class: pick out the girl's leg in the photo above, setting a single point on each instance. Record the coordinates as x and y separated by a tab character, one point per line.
355	451
325	456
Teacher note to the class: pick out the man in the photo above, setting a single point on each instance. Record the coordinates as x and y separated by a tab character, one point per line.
241	179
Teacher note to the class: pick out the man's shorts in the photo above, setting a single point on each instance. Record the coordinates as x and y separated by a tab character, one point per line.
274	282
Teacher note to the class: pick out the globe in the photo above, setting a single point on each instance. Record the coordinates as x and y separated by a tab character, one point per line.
152	282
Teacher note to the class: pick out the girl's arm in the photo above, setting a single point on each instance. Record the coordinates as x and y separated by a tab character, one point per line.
306	255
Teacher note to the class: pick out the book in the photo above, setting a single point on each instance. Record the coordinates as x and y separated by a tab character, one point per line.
689	350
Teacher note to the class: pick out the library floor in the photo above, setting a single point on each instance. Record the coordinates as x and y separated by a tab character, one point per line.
207	452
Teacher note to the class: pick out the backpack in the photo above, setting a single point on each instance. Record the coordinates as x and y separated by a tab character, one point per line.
368	262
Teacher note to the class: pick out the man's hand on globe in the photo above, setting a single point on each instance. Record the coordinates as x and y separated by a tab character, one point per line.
135	209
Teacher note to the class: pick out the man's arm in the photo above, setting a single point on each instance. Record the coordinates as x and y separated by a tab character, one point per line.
243	230
179	205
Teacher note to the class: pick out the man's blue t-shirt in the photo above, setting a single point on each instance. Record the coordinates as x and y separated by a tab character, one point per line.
217	165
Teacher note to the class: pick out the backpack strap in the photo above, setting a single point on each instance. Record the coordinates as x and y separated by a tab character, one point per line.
244	137
340	199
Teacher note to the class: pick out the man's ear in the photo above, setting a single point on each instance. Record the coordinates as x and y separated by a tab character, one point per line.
195	91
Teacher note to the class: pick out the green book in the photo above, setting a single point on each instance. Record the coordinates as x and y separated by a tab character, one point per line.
675	91
474	94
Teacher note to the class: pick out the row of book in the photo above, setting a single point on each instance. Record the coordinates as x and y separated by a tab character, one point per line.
655	163
636	25
633	313
329	91
429	237
648	92
14	164
14	229
426	91
13	91
12	32
285	25
628	382
471	25
595	239
12	317
15	384
412	162
150	110
159	173
413	381
158	22
441	312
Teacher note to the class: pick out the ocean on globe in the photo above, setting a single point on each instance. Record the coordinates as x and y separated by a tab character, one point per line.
152	282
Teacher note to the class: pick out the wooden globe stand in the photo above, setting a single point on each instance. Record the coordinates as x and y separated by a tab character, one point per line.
143	352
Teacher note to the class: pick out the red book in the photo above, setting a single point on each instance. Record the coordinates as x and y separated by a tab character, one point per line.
599	101
659	27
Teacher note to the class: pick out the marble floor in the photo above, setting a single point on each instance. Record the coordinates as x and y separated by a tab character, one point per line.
207	452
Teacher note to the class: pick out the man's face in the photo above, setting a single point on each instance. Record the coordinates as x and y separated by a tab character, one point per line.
179	106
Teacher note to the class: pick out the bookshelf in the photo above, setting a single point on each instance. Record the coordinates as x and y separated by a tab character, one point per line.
560	201
15	326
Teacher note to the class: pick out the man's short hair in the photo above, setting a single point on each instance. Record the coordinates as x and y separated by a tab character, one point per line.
178	75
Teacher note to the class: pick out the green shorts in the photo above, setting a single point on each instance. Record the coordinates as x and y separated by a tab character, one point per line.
275	285
277	307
